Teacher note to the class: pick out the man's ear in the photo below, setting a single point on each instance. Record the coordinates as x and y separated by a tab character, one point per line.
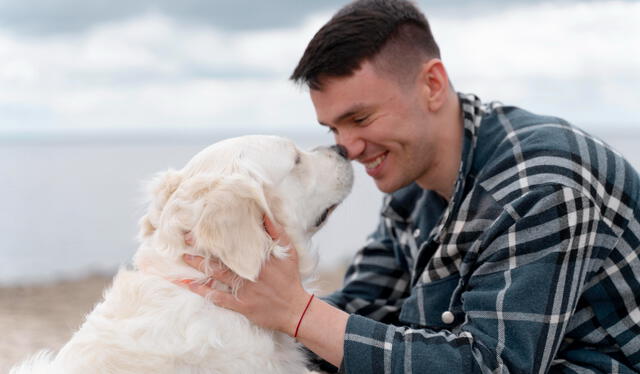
160	189
434	83
231	227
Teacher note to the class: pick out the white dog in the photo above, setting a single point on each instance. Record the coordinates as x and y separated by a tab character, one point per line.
147	324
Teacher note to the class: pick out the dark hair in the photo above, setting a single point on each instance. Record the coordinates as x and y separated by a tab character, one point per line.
359	31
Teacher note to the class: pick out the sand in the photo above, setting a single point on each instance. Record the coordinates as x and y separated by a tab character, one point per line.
39	317
44	316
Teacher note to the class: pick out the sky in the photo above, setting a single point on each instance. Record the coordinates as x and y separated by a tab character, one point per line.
122	66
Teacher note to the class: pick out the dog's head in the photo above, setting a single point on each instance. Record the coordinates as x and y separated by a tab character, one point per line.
222	194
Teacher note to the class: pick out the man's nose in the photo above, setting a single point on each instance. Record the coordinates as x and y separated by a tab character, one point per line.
352	145
341	150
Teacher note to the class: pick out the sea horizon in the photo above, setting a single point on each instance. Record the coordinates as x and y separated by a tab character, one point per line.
72	201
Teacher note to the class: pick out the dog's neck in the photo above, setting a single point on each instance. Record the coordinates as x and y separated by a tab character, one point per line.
147	260
172	267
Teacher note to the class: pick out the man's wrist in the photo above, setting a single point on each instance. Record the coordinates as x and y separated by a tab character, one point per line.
322	331
304	311
296	311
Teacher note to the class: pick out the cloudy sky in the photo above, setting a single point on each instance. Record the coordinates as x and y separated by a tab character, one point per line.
118	66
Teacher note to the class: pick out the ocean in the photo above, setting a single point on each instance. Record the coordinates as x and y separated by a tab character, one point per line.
70	207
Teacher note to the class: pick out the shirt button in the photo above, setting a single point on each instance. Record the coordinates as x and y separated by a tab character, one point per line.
416	233
447	317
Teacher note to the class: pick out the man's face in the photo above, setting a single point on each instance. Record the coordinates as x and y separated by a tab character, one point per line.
384	125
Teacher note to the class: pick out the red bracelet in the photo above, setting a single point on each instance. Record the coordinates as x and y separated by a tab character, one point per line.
302	315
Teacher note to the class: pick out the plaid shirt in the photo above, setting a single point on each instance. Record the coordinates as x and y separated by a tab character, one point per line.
531	267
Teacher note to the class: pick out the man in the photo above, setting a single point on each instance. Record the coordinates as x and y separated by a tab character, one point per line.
508	241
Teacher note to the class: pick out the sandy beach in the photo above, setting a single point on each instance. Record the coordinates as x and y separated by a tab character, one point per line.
43	316
39	317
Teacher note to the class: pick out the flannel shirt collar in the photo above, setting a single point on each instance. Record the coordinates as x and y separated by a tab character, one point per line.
398	206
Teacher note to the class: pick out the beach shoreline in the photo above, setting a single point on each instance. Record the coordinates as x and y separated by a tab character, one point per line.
44	316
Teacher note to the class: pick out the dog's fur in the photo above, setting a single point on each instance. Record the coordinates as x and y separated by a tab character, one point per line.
147	324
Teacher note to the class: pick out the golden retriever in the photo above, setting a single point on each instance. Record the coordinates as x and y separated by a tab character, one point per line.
147	324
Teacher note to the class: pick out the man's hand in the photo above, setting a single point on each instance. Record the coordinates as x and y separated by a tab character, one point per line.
275	301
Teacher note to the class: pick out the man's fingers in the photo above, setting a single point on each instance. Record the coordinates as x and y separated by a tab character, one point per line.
195	262
197	288
220	298
188	239
293	254
213	269
198	263
225	276
271	228
276	232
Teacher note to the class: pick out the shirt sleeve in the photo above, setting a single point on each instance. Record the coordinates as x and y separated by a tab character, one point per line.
532	266
375	284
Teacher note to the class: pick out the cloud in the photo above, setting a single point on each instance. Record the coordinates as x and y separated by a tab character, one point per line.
154	72
573	59
46	17
43	17
576	60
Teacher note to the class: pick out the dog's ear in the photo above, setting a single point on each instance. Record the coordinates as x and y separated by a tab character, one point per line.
160	189
230	226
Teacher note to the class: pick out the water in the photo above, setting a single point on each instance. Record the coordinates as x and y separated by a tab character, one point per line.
70	208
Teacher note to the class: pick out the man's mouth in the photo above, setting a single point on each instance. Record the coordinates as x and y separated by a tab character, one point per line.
375	162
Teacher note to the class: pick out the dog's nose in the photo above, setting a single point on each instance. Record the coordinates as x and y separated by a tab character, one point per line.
341	150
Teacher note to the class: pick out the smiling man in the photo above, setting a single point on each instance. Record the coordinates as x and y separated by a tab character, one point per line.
410	141
508	241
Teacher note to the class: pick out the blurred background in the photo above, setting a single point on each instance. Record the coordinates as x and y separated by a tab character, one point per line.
96	96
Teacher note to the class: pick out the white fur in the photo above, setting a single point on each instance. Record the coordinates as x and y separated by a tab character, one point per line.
147	324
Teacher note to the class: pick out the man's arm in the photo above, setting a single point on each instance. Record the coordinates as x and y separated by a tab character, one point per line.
375	286
534	262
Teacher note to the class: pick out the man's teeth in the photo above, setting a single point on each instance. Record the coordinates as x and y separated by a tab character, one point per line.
376	162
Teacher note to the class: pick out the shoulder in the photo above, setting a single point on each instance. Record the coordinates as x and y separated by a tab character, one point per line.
508	134
518	151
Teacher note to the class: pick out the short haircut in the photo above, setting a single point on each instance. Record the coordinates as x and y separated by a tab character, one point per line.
393	34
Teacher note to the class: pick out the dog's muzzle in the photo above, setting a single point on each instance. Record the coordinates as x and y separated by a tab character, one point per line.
341	150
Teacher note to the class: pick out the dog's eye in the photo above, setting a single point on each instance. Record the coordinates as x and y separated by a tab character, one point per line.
323	217
325	214
298	159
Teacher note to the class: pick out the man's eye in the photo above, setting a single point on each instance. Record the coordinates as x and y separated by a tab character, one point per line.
360	120
333	130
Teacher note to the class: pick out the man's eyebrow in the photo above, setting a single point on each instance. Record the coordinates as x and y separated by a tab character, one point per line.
356	108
